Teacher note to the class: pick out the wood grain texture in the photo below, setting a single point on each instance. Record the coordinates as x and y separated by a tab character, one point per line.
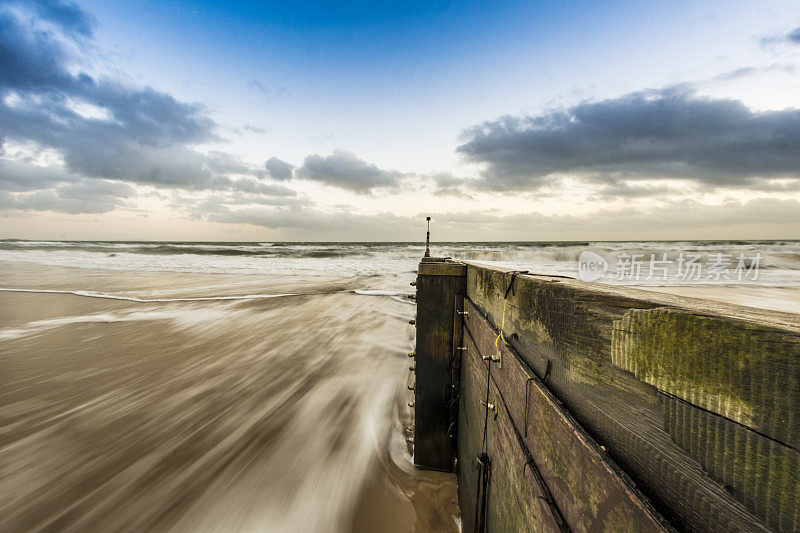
731	368
567	326
759	471
592	493
514	501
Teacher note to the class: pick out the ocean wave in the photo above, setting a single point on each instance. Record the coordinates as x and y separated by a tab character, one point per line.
780	259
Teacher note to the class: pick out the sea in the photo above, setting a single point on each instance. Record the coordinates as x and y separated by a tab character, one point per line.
261	386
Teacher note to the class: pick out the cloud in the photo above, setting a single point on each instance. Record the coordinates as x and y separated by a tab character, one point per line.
84	197
670	133
101	129
22	176
68	16
790	37
745	72
138	135
449	185
279	169
254	129
675	220
344	170
264	189
266	93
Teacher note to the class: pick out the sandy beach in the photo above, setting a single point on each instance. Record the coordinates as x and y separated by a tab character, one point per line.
285	412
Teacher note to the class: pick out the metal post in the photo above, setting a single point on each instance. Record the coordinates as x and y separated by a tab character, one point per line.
428	238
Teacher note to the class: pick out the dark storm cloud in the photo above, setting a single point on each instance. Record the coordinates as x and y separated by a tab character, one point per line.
101	127
279	169
670	133
344	170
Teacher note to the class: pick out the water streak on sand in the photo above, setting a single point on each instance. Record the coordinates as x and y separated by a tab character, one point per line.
91	294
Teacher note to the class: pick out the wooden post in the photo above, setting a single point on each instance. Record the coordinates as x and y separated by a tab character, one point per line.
439	283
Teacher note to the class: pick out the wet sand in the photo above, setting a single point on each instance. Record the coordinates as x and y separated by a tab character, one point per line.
279	414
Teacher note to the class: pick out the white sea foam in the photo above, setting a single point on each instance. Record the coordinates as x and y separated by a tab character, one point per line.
395	263
377	292
91	294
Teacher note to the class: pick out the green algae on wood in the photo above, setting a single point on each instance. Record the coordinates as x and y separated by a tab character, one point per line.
743	372
564	329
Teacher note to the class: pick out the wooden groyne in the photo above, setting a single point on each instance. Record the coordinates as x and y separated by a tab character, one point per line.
567	406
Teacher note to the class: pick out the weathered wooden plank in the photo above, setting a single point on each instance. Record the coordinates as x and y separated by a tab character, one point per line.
566	327
592	493
435	267
435	314
757	470
455	370
515	502
728	367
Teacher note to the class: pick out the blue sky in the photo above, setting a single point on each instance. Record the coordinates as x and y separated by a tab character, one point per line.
502	120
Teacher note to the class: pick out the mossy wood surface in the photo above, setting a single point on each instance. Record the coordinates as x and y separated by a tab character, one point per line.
591	493
703	470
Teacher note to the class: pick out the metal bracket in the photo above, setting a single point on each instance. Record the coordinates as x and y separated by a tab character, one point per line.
511	283
494	359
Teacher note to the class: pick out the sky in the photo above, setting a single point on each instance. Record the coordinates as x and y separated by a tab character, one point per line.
353	121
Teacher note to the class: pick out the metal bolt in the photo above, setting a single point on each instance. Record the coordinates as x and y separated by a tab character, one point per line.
411	387
463	313
413	368
489	406
462	348
412	322
411	404
410	440
413	283
412	354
